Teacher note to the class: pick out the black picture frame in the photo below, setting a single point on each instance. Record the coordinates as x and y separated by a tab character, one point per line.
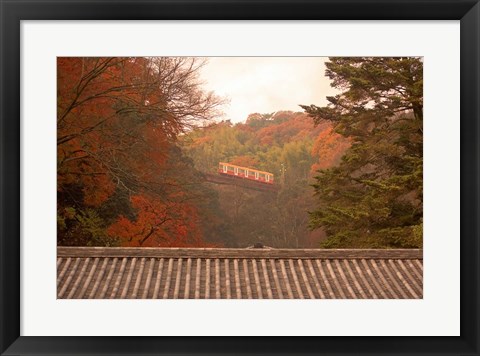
12	12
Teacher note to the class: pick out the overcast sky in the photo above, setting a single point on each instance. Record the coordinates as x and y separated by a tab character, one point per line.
266	84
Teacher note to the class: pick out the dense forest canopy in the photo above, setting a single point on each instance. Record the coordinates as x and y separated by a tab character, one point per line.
121	177
138	137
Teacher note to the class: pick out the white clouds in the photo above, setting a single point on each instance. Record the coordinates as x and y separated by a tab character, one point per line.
267	84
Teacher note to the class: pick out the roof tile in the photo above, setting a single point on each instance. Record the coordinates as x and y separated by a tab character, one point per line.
98	273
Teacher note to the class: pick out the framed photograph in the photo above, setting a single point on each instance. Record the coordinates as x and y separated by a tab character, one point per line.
200	177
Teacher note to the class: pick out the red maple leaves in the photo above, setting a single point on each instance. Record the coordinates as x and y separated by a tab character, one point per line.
172	224
117	123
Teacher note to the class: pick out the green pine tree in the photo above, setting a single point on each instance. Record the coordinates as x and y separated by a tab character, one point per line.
373	199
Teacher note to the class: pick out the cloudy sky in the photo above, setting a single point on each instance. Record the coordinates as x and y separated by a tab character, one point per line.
266	84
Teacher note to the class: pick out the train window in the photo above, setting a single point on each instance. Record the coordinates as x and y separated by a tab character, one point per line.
267	177
256	175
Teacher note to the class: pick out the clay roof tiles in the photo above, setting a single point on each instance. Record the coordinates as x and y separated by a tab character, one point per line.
216	273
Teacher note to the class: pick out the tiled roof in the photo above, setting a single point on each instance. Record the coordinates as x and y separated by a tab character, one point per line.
93	272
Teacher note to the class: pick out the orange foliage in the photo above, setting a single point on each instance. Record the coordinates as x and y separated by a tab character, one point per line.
170	224
245	161
299	127
116	130
329	147
96	97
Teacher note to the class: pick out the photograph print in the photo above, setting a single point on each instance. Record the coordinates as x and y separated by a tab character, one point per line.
239	177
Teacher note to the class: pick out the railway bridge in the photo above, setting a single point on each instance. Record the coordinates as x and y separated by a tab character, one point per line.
240	182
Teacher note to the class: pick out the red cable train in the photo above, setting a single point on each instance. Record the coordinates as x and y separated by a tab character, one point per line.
245	173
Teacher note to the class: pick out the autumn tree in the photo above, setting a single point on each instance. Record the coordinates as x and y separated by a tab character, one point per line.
328	148
118	120
373	199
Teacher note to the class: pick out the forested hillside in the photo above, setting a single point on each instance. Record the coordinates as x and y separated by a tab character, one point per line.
287	144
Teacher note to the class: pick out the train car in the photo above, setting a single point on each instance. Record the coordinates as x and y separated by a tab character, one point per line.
245	173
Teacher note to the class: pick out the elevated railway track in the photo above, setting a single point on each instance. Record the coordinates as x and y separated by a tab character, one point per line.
240	182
